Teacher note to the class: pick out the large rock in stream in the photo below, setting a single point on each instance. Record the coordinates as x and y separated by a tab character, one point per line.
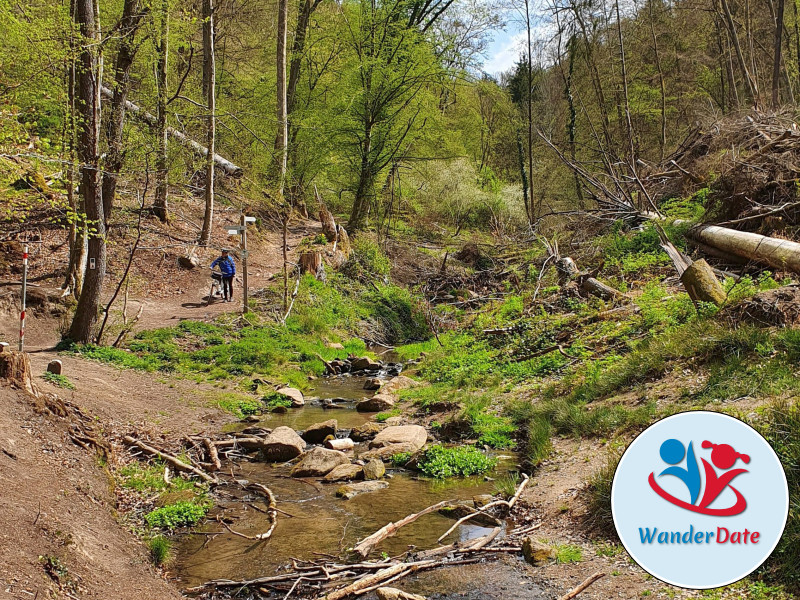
344	473
317	433
374	469
352	490
387	452
319	462
366	431
282	444
293	394
413	435
364	363
377	403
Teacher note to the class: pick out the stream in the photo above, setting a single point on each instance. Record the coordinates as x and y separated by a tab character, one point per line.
322	524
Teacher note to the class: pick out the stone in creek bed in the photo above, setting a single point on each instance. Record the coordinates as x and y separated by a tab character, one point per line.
317	433
388	451
319	462
364	363
537	552
345	473
414	435
374	469
293	394
282	444
367	431
327	404
373	383
377	403
352	490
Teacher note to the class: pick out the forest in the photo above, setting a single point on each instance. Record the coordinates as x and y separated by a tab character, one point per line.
457	297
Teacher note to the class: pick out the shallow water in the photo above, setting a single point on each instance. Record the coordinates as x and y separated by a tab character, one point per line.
321	522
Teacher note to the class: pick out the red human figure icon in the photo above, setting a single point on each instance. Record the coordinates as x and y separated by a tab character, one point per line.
724	457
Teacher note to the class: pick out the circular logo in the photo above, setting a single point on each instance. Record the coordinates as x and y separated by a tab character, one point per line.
699	500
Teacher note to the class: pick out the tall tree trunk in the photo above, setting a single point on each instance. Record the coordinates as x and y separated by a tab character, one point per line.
160	205
366	184
777	55
209	85
281	139
78	240
89	78
132	15
752	87
307	8
573	117
662	85
524	177
532	212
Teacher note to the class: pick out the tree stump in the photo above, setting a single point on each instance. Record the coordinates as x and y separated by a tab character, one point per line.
328	223
15	369
702	284
344	242
311	262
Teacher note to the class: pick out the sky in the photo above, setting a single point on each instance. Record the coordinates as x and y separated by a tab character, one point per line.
509	43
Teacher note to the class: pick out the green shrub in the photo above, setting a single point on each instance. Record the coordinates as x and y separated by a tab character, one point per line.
400	459
598	497
180	514
160	550
367	259
275	400
460	461
58	380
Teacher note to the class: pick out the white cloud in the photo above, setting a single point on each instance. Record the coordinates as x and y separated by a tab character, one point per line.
505	54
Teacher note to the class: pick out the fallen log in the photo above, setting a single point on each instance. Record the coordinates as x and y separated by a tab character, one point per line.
151	120
169	458
508	503
365	546
213	455
568	270
775	252
584	584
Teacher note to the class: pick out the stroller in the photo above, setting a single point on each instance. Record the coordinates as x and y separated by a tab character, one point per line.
216	287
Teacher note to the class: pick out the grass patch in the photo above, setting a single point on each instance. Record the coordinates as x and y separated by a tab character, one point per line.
382	417
400	459
160	550
237	404
567	553
58	380
149	479
506	486
459	461
598	498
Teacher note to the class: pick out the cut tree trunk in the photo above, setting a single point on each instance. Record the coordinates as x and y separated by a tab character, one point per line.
311	262
152	121
775	252
568	270
702	284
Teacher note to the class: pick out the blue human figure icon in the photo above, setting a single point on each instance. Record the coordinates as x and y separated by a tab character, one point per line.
672	453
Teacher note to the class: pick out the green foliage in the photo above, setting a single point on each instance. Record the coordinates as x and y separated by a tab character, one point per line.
567	553
160	550
61	381
275	400
179	514
238	405
382	417
400	459
459	461
149	479
367	259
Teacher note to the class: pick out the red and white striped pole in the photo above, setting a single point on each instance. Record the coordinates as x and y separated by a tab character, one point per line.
24	293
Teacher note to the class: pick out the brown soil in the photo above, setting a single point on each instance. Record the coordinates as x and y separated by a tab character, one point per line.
59	537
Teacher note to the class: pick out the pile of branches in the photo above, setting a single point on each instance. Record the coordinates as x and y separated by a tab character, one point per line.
332	580
755	158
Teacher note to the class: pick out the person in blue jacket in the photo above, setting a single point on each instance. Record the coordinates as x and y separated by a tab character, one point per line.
228	269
